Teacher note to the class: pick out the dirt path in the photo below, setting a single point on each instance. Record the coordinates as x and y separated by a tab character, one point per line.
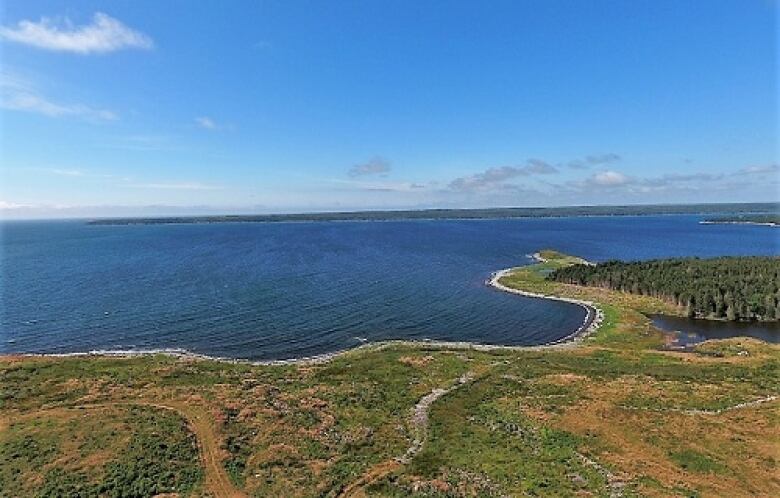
216	480
419	425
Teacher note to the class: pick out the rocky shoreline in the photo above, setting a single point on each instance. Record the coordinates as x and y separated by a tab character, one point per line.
593	318
590	324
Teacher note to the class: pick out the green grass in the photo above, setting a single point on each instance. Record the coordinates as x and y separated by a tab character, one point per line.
123	451
696	462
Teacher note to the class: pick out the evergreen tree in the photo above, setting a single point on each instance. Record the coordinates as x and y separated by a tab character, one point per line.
737	288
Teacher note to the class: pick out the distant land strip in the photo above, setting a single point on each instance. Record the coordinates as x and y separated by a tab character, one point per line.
465	214
772	220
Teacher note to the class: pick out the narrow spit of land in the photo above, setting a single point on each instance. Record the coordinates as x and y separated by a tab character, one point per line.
617	415
772	220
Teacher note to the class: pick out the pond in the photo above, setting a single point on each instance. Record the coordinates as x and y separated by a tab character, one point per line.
690	331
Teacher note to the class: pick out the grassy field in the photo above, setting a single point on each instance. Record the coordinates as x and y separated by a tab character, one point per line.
615	416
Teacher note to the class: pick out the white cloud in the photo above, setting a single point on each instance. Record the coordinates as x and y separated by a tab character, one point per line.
19	95
609	179
495	178
38	104
12	205
206	123
760	170
105	34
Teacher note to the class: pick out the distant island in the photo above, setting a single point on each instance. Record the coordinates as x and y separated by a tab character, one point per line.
727	288
746	219
466	214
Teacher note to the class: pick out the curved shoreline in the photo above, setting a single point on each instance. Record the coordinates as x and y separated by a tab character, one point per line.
593	318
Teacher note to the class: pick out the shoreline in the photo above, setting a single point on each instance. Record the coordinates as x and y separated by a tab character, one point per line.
593	319
594	316
754	223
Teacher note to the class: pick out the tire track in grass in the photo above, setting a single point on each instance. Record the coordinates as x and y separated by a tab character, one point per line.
216	480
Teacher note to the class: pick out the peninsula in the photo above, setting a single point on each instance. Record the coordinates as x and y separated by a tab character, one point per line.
772	220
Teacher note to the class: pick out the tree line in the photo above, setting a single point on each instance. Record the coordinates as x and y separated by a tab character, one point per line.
456	214
730	288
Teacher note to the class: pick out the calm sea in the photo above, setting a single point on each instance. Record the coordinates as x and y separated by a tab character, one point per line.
284	290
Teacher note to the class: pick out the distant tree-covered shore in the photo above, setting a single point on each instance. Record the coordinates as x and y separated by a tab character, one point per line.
728	288
448	214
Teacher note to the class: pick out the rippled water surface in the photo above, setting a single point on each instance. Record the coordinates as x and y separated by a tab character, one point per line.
282	290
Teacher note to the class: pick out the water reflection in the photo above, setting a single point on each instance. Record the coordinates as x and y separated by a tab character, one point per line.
689	331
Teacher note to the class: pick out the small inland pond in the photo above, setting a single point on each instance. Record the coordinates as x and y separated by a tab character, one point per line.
689	331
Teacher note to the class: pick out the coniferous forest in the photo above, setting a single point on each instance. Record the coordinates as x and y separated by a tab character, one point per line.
730	288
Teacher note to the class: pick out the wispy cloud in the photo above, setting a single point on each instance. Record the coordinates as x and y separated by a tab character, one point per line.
81	173
126	181
206	123
67	172
18	95
380	186
104	34
609	179
760	170
497	177
30	102
12	205
603	158
374	166
594	160
177	186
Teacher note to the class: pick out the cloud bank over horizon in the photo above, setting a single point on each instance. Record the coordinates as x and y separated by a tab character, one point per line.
505	186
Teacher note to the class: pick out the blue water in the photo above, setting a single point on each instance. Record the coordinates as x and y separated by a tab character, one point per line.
283	290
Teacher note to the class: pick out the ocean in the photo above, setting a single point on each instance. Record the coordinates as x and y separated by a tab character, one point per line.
265	291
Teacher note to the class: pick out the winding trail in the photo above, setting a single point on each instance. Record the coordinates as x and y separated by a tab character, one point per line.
419	424
614	483
738	406
419	421
216	480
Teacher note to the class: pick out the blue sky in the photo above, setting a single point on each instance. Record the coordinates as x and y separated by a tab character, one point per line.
148	107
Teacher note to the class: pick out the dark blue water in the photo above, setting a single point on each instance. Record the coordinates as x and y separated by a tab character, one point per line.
271	291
